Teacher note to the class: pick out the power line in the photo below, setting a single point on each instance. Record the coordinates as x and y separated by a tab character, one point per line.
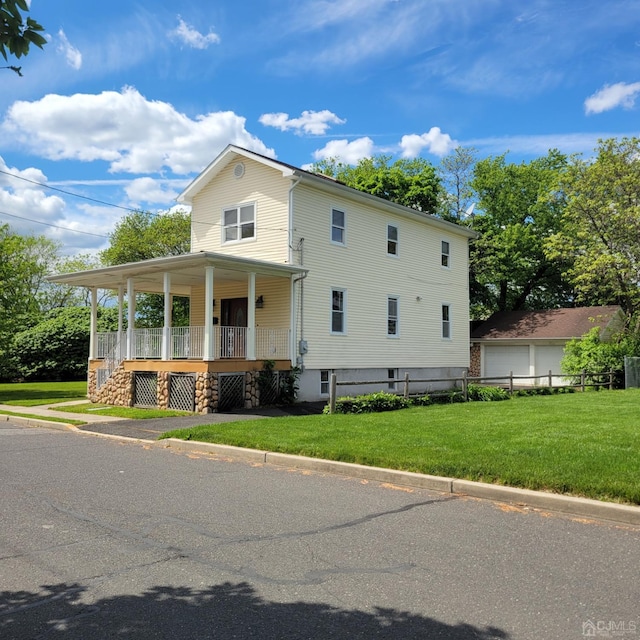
55	226
68	193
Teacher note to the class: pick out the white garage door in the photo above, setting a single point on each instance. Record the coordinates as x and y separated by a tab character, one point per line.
548	359
500	360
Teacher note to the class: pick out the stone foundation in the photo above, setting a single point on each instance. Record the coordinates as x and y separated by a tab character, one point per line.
116	391
475	361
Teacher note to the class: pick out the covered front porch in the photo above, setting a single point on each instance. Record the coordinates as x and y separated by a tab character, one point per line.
242	314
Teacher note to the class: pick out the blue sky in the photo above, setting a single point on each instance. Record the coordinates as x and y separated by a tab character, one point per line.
129	101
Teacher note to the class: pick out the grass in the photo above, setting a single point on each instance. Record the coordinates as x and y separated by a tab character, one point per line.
31	394
133	413
585	444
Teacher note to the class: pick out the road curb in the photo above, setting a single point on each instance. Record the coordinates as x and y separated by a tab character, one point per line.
38	422
582	507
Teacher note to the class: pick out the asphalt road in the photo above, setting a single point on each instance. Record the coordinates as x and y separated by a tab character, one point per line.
102	538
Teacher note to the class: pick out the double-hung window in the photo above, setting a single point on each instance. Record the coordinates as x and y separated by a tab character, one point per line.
239	223
325	376
338	228
338	311
446	321
392	240
393	328
445	254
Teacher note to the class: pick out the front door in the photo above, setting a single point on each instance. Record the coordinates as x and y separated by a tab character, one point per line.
233	332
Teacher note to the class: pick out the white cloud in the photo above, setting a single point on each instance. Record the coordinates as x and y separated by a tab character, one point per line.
612	96
345	151
436	142
149	190
190	36
131	133
72	55
313	122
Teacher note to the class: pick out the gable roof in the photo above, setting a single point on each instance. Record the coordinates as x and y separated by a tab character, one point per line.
232	153
548	324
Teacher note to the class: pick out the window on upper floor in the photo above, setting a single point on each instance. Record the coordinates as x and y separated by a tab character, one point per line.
338	311
393	328
445	254
239	223
446	321
392	240
338	228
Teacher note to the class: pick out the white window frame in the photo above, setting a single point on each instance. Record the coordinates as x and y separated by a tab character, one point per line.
325	385
342	311
238	224
341	228
391	318
396	242
445	321
445	254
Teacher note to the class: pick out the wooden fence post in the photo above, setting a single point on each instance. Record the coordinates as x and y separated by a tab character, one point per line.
465	386
582	378
550	379
332	393
510	383
406	385
611	380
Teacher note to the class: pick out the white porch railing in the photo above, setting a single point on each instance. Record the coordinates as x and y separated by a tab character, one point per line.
272	344
188	343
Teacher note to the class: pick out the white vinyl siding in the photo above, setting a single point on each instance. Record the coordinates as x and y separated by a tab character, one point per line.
414	277
260	185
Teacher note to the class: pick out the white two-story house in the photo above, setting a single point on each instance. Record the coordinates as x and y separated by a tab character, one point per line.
290	267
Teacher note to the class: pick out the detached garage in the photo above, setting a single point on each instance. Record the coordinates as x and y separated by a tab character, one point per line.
531	343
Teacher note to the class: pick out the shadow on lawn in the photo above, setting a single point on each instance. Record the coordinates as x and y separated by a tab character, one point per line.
221	611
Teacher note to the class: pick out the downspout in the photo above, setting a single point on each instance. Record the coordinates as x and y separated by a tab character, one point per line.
300	356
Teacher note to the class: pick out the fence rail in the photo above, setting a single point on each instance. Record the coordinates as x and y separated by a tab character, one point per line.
582	381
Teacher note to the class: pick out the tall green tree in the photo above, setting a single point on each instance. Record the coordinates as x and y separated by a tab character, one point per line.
142	235
18	32
520	206
457	195
600	234
411	183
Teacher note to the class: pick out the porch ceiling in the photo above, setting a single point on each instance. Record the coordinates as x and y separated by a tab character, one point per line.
186	271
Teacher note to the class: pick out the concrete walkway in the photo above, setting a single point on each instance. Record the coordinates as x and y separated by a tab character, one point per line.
44	411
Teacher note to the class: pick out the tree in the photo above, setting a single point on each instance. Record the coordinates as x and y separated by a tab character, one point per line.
17	35
520	206
600	235
142	235
456	174
411	183
57	347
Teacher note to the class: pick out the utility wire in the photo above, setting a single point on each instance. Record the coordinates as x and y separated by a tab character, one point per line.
55	226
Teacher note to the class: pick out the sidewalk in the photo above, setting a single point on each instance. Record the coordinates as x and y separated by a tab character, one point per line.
45	412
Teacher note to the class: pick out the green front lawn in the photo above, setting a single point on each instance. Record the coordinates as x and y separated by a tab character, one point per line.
133	413
585	444
31	394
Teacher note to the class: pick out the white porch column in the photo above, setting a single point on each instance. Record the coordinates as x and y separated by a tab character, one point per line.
209	335
131	318
166	328
120	321
93	337
251	318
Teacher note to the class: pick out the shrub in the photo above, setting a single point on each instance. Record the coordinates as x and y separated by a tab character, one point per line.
370	403
486	394
422	401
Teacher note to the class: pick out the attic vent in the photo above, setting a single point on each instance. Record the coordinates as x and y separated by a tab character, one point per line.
238	170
